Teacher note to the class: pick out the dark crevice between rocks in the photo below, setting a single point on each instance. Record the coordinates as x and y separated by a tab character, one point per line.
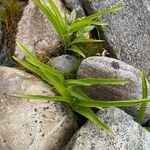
7	38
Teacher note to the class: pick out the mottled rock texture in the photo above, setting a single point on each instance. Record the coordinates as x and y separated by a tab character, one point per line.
67	64
37	33
128	135
128	33
29	124
105	67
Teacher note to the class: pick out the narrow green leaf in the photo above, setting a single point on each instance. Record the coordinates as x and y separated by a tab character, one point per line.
142	110
84	40
77	50
102	104
26	51
104	12
57	12
88	113
51	70
75	92
79	24
43	97
51	17
56	83
35	61
91	81
33	69
86	29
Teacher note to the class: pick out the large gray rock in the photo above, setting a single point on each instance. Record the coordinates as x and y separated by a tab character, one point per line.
67	64
128	33
128	135
29	124
105	67
37	33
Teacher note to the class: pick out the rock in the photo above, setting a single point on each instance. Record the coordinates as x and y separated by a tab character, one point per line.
37	33
67	64
105	67
128	33
128	135
30	124
75	4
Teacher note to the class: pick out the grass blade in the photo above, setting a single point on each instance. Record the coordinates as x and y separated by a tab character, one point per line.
100	103
104	12
33	69
26	51
32	59
57	12
75	92
43	97
56	83
84	40
51	17
91	81
77	25
88	113
77	50
141	113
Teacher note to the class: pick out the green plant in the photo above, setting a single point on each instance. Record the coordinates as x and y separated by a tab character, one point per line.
141	113
72	30
68	90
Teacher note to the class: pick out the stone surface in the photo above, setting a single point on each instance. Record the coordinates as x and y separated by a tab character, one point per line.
128	33
111	68
36	32
75	4
128	135
67	64
30	124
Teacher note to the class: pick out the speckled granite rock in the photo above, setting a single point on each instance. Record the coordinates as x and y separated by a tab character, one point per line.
67	64
75	4
28	124
36	32
129	135
128	33
111	68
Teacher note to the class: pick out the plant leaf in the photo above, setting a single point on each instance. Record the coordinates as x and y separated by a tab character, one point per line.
57	12
84	40
102	104
75	92
33	69
51	17
91	81
79	24
56	83
77	50
34	61
43	97
88	113
103	12
142	110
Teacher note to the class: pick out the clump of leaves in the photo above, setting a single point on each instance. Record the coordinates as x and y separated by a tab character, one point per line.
68	90
72	30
